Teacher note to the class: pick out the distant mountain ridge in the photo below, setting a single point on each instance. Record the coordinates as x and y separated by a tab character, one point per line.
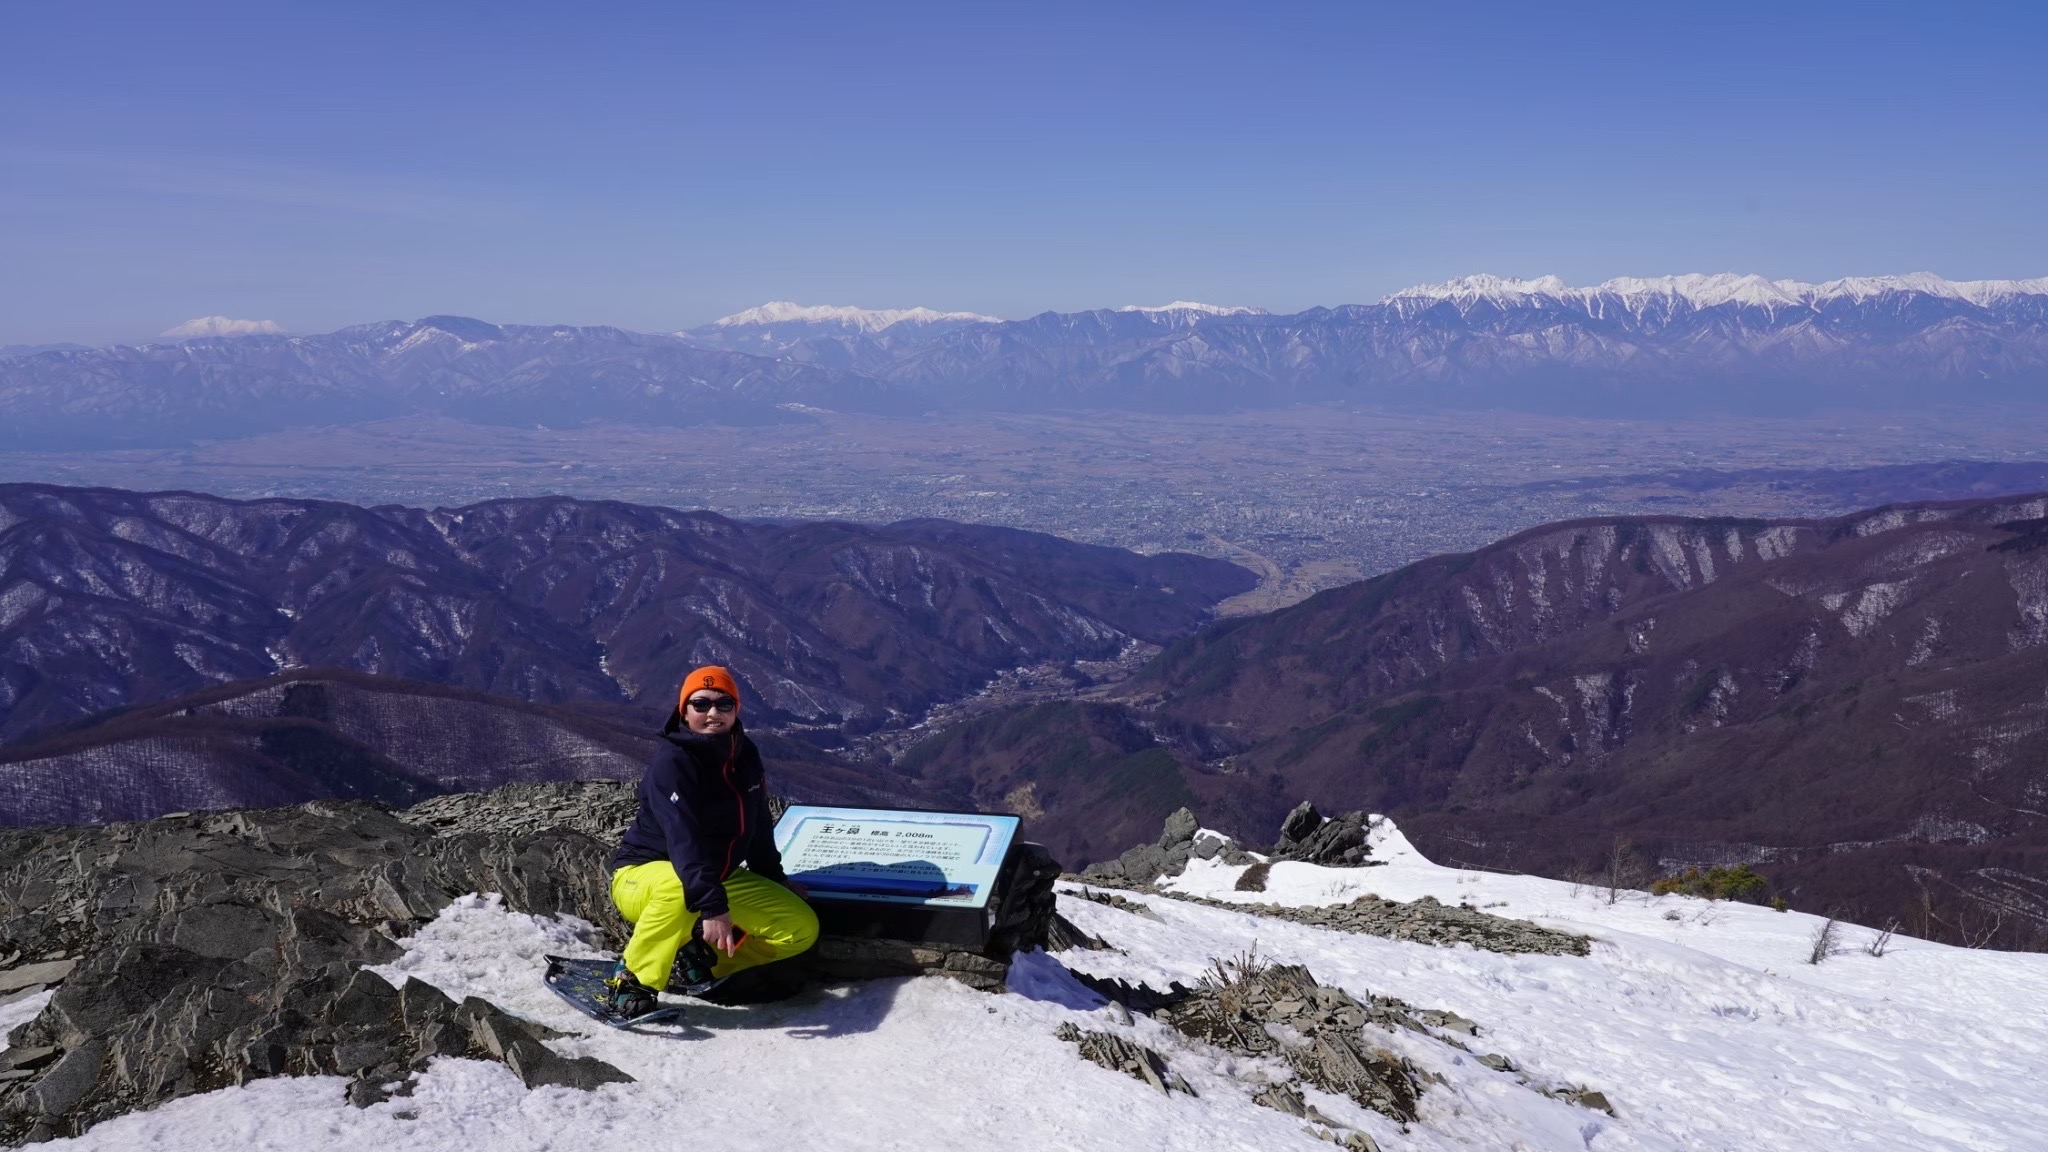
222	387
1855	705
1641	346
329	734
110	599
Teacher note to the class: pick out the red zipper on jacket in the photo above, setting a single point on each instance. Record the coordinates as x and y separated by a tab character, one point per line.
732	750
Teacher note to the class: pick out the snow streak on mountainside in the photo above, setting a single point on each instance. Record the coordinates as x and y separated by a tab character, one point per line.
865	319
1192	306
1701	1023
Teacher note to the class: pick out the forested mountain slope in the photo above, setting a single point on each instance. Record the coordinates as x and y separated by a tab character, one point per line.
1859	706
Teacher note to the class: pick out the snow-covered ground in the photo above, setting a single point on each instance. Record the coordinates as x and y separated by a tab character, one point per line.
1707	1031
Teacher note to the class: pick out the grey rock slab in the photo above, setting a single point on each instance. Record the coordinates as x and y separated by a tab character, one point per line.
68	1081
35	975
1143	864
1299	823
369	1000
1180	828
1121	1055
582	1072
1066	934
376	1086
29	1057
1448	1021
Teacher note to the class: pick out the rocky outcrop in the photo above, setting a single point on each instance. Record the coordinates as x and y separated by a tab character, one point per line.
211	950
1340	842
1326	1038
1180	841
1128	1057
1248	1009
1336	843
1425	921
1307	837
200	951
600	809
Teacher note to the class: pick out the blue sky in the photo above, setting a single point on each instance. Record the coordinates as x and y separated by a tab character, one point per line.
659	165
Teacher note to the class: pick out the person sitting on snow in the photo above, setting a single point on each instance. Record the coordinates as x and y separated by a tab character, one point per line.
703	812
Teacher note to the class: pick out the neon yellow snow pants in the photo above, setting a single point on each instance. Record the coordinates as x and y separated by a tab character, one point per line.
777	922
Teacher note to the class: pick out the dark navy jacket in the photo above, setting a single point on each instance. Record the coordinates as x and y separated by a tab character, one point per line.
704	808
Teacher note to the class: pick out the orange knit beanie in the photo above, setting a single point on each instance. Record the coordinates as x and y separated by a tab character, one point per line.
708	678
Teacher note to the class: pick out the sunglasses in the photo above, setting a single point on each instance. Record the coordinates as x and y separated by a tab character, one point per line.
707	703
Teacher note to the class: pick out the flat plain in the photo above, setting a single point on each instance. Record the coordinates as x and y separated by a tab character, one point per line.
1310	497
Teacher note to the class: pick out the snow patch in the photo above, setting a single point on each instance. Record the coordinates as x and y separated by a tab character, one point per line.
206	326
18	601
2029	579
864	319
1193	306
1871	605
1771	543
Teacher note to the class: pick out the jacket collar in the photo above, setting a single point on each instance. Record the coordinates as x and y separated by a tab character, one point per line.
685	739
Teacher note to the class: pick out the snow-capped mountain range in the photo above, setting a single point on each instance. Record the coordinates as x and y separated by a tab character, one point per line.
1711	291
864	319
1652	346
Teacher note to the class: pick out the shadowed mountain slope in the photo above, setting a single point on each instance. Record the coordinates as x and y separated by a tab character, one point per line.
329	734
111	598
1807	695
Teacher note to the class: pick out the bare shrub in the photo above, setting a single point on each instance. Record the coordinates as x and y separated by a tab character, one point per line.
1958	917
1231	977
1246	965
1625	871
1826	941
1254	877
1882	942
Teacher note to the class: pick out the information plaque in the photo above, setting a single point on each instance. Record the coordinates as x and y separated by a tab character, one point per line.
897	873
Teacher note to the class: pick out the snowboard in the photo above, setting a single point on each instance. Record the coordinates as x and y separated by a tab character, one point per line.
581	984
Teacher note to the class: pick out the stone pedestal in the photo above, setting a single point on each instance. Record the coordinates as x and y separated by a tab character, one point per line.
854	941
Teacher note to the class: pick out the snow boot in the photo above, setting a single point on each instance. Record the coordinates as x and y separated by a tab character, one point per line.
691	975
626	997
